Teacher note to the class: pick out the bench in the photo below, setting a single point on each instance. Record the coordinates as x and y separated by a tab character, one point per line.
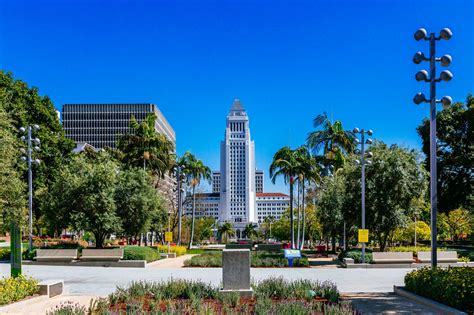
392	257
113	254
51	288
270	247
56	254
443	257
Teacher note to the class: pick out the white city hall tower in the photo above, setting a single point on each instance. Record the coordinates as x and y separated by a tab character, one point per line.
237	175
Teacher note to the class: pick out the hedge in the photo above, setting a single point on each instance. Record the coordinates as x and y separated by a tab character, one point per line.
413	249
453	286
140	253
258	259
356	254
15	289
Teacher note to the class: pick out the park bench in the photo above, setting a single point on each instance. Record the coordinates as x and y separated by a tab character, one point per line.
392	257
270	247
112	254
443	257
56	254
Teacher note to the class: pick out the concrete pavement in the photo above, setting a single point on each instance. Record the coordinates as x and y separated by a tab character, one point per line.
101	281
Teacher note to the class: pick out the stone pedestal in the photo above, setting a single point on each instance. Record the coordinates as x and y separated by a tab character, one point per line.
236	272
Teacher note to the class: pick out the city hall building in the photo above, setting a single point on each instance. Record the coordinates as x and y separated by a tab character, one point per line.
238	188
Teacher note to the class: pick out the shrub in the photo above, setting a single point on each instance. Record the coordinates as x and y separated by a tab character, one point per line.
452	286
179	250
15	289
60	244
356	254
257	259
140	253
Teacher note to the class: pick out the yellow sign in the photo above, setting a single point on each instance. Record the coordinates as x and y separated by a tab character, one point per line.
168	236
363	236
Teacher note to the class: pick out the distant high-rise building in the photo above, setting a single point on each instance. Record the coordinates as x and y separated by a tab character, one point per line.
216	182
259	181
100	125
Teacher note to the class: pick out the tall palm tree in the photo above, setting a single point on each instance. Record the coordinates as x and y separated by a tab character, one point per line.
195	172
226	230
285	164
332	138
307	172
147	148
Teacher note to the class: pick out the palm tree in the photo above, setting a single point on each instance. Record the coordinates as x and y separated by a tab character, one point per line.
195	172
144	145
250	230
307	172
333	139
285	164
226	230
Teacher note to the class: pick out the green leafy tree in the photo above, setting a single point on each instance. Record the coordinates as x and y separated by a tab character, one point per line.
195	172
455	154
84	197
286	165
26	107
204	228
226	230
407	234
457	224
138	203
12	187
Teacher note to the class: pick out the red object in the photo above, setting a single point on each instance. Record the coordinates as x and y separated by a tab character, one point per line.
320	248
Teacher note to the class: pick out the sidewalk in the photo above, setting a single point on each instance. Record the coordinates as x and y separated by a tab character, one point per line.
41	305
386	303
177	262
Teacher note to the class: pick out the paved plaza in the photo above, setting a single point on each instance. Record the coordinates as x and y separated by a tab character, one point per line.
101	281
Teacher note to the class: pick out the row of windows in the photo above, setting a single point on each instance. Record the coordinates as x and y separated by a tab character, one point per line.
113	108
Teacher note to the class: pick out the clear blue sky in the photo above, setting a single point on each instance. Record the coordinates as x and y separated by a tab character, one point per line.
286	60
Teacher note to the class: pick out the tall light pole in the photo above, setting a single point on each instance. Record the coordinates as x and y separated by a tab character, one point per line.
180	176
28	158
364	161
422	75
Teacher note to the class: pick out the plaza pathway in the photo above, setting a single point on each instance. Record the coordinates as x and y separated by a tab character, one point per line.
102	281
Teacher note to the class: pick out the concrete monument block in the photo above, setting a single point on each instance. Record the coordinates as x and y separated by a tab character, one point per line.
236	271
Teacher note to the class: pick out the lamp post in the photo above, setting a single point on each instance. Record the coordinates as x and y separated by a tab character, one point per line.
364	161
422	75
180	176
28	158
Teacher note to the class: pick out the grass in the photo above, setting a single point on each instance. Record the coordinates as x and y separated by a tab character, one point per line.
258	259
272	296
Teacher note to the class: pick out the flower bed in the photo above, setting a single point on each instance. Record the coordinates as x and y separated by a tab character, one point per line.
272	296
453	286
179	250
257	259
15	289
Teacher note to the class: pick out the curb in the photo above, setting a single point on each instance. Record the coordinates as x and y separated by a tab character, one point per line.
444	309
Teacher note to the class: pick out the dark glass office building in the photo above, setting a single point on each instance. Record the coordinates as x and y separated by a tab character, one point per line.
100	125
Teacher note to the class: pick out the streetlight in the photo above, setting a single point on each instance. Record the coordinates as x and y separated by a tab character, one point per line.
422	75
180	177
363	161
28	152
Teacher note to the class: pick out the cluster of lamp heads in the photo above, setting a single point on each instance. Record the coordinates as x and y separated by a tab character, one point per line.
36	143
368	154
445	61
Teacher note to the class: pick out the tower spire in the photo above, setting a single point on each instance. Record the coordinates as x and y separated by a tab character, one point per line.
237	106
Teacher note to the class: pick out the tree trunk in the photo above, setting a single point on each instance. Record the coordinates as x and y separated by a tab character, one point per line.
298	217
192	219
333	244
303	217
292	227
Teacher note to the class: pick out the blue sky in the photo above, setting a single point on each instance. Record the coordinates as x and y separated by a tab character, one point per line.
286	60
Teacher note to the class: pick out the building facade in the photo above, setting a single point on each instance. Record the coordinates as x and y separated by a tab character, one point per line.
238	187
